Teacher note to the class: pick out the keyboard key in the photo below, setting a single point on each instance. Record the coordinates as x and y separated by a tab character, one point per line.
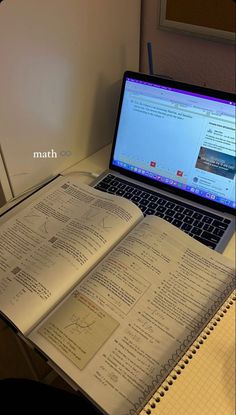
128	195
102	186
142	208
179	208
198	223
170	205
135	198
161	209
170	212
107	179
112	189
207	219
197	215
159	214
177	222
196	231
161	201
152	205
144	202
210	237
150	211
208	228
168	218
144	195
153	198
179	216
119	185
220	225
226	220
188	212
188	219
115	183
129	189
120	192
218	232
186	227
206	242
137	192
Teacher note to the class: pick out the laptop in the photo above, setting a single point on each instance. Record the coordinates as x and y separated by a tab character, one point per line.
173	155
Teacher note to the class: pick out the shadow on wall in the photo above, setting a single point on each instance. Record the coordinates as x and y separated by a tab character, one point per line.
103	113
2	198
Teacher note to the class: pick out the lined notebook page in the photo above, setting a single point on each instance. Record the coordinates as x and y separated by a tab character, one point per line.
206	385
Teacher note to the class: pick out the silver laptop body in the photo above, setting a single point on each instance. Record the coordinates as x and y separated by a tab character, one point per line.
176	141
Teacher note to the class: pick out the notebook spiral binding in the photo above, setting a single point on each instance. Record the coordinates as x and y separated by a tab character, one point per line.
176	372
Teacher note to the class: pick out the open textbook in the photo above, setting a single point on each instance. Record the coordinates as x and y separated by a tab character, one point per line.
113	299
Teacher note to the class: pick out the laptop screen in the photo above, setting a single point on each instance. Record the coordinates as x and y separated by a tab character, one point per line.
176	135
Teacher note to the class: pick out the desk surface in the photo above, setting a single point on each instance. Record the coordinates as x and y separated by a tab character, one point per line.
97	163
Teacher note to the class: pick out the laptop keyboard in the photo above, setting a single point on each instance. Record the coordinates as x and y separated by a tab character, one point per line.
207	228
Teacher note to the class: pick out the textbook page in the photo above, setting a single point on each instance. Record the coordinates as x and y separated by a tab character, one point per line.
48	246
129	321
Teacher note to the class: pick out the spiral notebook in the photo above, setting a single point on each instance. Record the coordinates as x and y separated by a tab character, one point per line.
203	382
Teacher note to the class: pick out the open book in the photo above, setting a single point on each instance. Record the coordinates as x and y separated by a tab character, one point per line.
113	299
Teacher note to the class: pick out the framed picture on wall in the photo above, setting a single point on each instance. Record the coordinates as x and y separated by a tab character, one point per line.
209	19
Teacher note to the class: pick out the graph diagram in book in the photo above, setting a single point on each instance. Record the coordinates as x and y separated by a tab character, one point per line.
104	221
39	222
204	381
79	329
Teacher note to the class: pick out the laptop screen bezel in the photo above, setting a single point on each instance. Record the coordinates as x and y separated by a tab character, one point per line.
146	180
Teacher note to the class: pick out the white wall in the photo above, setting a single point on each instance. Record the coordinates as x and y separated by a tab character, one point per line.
61	64
186	58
